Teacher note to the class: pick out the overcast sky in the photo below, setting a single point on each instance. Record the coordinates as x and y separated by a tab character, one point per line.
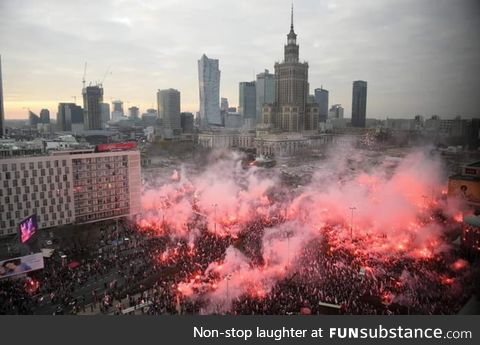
418	56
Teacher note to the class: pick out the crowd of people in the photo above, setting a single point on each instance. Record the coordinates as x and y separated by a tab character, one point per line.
135	266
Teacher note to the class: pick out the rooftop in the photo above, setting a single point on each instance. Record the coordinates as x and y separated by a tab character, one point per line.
472	220
464	177
476	164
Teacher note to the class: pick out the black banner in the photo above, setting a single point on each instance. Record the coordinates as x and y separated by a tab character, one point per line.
241	329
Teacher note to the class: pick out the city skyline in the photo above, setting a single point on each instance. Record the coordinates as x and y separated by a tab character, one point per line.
414	57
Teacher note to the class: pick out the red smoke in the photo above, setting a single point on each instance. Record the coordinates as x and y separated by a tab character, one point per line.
395	215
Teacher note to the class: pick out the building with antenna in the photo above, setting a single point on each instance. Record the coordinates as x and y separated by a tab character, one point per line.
290	112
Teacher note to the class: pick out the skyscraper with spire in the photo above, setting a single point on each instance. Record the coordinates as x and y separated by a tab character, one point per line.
290	112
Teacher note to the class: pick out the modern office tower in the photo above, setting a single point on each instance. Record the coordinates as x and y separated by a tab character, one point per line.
33	119
105	110
44	116
92	98
321	98
359	103
336	112
77	114
69	187
168	102
64	117
2	114
69	117
289	112
224	104
265	88
186	121
117	113
209	87
133	112
247	103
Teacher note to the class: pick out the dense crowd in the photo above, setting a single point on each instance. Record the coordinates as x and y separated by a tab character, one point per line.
145	269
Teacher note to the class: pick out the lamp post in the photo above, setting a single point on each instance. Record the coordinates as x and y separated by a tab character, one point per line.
289	234
215	217
227	278
351	222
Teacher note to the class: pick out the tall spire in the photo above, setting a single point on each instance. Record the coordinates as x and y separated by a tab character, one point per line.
291	21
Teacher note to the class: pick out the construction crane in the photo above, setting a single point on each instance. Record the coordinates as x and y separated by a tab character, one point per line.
105	75
84	74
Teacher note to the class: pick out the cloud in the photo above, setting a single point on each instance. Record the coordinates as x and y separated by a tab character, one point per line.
417	56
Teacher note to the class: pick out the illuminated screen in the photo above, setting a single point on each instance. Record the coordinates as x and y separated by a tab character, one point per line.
28	227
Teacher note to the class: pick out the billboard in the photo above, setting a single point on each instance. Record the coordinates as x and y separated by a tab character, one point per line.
465	187
28	227
24	264
116	147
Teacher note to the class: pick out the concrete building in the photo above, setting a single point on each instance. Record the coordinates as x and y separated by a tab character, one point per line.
133	112
2	111
168	102
92	98
247	103
70	117
105	109
289	144
11	148
359	103
149	118
401	124
336	112
224	104
234	120
321	98
289	111
209	87
117	112
69	187
265	89
44	116
186	122
33	119
226	138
